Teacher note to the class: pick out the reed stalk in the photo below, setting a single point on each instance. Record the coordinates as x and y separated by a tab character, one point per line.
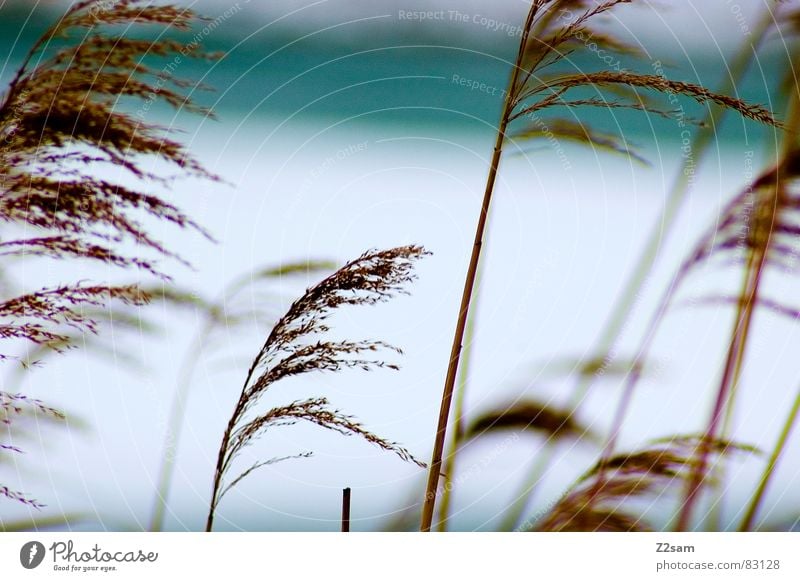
458	409
624	304
531	92
767	216
455	353
769	471
297	346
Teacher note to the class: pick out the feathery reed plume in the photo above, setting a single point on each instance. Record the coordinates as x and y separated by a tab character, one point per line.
14	407
758	230
761	225
552	30
42	317
61	120
117	317
231	311
523	415
530	415
596	502
294	348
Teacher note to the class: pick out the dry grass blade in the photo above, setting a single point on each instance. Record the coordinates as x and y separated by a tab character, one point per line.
20	497
294	347
554	88
44	317
263	463
15	404
119	317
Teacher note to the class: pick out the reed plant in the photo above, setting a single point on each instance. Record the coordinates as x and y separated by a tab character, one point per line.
756	232
67	115
541	81
62	121
297	345
245	302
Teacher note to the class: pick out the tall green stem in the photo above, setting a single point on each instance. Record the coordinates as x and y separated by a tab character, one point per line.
780	445
175	423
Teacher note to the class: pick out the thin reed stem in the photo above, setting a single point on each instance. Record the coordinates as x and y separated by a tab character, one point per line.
736	350
469	284
748	301
223	457
512	519
769	471
458	409
177	415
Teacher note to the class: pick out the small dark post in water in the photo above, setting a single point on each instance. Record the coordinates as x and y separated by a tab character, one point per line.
346	510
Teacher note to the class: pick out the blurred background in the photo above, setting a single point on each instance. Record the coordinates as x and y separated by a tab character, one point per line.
341	126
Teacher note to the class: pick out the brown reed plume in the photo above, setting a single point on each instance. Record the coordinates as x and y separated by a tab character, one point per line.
233	311
757	231
760	231
294	347
539	83
64	117
597	501
15	407
529	414
60	120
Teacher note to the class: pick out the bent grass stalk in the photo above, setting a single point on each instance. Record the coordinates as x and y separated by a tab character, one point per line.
715	241
729	381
